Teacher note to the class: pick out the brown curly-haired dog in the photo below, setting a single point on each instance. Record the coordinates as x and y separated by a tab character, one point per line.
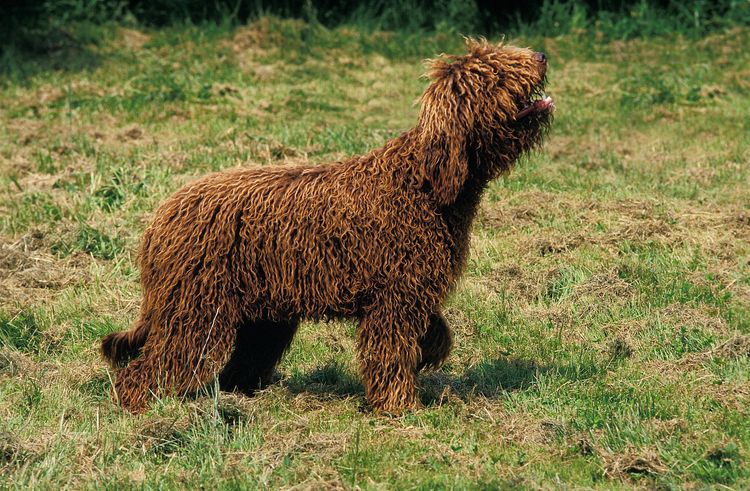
233	262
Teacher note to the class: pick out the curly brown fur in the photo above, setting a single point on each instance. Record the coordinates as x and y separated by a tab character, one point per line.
233	261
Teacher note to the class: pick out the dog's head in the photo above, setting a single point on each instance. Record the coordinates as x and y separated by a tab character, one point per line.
479	113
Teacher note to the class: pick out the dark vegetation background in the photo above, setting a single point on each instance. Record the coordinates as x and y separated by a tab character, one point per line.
54	34
26	24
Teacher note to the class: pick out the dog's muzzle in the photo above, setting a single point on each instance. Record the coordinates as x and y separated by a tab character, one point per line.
544	104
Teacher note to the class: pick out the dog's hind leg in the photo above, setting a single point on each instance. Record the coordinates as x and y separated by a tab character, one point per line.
436	344
192	348
258	348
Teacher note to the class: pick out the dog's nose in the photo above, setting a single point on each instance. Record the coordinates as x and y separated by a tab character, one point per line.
540	57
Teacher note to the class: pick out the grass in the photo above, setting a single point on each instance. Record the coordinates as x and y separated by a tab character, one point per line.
601	328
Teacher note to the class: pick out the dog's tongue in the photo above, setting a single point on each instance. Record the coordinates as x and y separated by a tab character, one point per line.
544	104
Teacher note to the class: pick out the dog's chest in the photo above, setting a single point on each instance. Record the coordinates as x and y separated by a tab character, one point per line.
458	219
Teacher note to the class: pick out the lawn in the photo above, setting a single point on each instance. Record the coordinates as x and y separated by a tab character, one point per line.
602	328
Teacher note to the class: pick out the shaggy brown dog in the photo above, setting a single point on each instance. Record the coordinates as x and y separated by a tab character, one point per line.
233	262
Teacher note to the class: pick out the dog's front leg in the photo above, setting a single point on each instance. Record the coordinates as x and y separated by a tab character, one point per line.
388	344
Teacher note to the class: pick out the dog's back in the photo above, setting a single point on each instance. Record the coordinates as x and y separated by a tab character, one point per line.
302	241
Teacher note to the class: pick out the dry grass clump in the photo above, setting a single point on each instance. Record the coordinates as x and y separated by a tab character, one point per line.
162	435
683	316
619	347
735	347
633	462
606	285
522	284
132	39
29	273
13	363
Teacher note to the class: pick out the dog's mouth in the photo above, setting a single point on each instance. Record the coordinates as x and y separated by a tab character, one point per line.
540	103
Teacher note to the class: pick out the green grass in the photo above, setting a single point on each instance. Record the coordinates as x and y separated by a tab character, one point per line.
606	273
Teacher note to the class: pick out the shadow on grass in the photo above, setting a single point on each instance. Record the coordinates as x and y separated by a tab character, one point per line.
332	379
490	379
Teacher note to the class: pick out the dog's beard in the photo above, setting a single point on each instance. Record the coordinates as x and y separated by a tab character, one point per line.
532	129
497	153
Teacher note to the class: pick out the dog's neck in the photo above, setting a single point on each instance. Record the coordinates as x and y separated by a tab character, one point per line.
459	218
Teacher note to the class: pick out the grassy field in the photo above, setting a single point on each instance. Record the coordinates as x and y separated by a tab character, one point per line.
602	328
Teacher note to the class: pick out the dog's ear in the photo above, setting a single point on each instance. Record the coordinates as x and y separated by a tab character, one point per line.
444	123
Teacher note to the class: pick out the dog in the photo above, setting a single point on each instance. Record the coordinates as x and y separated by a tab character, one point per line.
233	262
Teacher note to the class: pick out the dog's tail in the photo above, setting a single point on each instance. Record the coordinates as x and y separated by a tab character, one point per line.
121	347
